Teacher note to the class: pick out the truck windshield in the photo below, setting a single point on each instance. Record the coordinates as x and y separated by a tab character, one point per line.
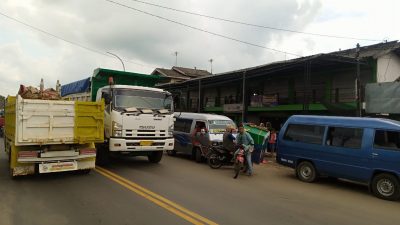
219	126
142	99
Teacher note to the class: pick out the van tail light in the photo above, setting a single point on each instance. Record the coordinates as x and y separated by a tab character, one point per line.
87	151
28	154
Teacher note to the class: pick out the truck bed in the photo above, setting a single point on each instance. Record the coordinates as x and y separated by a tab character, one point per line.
48	122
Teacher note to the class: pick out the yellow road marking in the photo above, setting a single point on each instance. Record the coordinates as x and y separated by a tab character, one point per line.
178	210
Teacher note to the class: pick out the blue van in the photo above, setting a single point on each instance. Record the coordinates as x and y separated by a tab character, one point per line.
365	150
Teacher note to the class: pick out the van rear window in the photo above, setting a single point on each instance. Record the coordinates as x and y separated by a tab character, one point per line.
311	134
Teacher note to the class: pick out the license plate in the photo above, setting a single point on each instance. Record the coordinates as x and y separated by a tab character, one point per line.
57	167
146	143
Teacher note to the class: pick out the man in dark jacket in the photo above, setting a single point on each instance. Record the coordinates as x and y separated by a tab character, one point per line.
228	141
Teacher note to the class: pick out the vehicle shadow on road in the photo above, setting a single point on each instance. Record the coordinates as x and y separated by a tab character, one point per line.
335	183
37	177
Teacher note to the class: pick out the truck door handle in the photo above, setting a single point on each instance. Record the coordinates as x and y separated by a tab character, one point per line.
375	154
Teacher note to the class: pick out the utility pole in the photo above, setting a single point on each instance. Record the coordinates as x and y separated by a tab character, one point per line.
176	58
211	61
123	66
358	82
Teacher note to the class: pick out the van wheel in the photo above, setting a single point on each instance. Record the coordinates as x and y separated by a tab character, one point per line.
386	186
306	172
198	156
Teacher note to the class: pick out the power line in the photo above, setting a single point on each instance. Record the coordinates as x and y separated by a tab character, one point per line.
202	30
68	41
256	25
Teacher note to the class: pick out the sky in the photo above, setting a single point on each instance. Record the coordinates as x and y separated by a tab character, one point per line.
87	30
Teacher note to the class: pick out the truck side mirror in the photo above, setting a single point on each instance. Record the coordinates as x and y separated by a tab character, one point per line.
107	98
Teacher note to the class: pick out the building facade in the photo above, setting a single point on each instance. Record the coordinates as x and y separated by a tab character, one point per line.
323	84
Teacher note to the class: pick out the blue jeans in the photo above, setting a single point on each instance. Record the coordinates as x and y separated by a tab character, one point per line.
249	163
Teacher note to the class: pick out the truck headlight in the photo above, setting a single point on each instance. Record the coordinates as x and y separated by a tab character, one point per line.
171	130
116	129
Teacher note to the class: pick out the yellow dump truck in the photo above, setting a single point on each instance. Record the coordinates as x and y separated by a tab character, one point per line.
48	136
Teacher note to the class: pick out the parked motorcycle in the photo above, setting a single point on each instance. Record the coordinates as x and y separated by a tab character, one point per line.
218	156
240	163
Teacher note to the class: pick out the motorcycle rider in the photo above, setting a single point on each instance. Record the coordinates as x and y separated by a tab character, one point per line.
229	141
244	139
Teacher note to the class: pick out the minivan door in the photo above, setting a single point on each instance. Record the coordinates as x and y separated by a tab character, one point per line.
346	153
182	135
201	136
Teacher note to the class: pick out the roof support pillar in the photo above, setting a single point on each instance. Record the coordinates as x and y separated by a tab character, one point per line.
199	98
244	108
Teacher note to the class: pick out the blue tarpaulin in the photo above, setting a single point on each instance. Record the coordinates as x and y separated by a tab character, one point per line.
75	87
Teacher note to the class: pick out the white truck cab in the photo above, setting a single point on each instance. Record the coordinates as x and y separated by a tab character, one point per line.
137	120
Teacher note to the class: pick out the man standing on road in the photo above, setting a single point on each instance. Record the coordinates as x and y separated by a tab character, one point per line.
244	138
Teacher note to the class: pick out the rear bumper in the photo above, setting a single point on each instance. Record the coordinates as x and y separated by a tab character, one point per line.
135	145
27	166
56	159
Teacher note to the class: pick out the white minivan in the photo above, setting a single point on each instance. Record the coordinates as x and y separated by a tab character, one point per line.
193	132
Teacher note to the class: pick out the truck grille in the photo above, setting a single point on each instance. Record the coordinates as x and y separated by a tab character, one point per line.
144	133
138	144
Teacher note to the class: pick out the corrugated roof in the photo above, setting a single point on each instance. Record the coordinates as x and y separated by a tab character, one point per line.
170	73
328	59
191	72
181	74
370	50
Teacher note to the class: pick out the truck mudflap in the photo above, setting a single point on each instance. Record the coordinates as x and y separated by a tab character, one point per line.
23	170
120	144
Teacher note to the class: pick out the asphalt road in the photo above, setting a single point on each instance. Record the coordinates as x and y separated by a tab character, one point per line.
272	196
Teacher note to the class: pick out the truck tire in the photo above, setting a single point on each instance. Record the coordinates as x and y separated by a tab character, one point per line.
386	186
306	172
84	171
10	170
155	157
171	152
103	155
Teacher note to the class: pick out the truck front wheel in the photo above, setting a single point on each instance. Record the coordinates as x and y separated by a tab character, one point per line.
155	157
103	155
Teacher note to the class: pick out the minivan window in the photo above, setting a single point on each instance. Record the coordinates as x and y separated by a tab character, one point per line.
387	140
344	137
311	134
183	125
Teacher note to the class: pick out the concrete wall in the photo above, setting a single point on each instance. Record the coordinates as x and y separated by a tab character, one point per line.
388	68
